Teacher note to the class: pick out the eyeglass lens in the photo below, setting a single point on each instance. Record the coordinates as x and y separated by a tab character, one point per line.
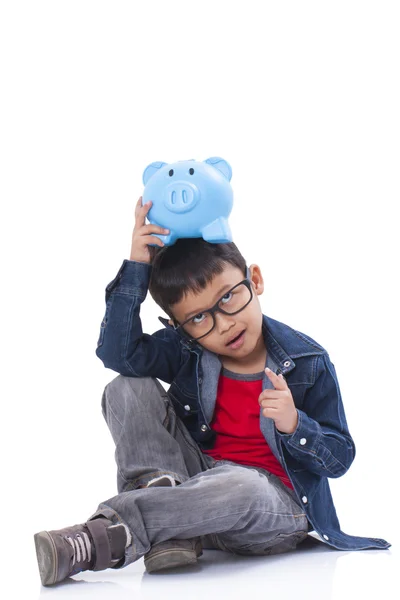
232	302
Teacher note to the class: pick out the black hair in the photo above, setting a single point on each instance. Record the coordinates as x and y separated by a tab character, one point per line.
188	266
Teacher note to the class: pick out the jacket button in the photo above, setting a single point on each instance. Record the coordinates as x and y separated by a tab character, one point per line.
325	536
200	380
286	363
187	407
203	427
304	498
303	441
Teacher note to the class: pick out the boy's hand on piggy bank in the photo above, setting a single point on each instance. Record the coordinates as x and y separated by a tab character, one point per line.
141	237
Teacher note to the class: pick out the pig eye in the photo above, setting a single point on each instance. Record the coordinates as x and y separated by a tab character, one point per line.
191	171
171	172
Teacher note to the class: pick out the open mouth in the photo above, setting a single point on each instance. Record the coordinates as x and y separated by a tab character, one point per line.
236	338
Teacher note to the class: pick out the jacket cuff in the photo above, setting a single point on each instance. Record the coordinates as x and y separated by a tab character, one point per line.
304	439
132	279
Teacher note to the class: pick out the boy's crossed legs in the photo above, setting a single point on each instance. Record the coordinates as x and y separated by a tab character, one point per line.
231	507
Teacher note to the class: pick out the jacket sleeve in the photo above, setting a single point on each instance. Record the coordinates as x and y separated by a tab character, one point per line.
322	442
122	345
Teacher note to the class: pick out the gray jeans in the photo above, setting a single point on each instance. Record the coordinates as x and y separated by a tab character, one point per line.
236	508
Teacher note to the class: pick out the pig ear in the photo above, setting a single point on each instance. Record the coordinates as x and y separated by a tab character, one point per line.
221	165
150	170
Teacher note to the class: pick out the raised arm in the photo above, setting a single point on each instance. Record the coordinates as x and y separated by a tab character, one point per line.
122	345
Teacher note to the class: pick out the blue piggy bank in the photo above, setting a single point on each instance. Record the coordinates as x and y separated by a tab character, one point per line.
190	198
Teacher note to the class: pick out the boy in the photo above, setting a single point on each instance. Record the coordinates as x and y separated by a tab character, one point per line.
233	456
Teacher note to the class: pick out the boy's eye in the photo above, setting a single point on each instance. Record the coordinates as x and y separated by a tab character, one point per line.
199	314
171	172
227	294
196	322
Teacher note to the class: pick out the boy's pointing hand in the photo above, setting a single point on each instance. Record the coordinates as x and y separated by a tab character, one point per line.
278	404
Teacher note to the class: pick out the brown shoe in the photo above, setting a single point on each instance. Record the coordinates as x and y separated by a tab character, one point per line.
171	553
94	545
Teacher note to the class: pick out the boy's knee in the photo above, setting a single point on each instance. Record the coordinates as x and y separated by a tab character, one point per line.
113	399
122	392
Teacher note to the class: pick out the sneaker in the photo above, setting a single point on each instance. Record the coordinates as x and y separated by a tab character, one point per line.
94	545
171	553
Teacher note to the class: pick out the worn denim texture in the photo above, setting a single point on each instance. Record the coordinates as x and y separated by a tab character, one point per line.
235	508
320	448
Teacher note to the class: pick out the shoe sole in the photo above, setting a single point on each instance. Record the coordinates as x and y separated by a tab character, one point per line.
46	556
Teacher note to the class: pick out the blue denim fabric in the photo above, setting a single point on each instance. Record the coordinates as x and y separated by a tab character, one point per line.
232	507
321	447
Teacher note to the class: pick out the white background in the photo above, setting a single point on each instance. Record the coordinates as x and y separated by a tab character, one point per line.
302	99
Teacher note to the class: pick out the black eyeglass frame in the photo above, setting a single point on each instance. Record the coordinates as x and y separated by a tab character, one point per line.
216	308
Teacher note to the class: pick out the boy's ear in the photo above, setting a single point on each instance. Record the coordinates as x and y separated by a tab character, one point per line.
258	284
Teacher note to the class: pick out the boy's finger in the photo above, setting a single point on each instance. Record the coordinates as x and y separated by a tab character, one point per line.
138	205
279	382
139	214
270	372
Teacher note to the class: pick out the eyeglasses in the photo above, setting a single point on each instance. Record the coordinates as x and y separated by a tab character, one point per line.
240	295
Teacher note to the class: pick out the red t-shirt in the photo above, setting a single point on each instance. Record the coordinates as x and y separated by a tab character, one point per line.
236	421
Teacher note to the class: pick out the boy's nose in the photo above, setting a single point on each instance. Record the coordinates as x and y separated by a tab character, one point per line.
223	323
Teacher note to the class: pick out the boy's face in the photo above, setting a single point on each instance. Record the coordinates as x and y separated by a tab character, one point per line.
227	326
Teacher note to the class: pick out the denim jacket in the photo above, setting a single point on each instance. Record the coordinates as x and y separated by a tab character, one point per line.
319	448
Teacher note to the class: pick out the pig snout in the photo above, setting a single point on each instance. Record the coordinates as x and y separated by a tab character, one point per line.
181	197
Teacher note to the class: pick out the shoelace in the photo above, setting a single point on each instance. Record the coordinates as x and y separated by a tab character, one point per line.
80	544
